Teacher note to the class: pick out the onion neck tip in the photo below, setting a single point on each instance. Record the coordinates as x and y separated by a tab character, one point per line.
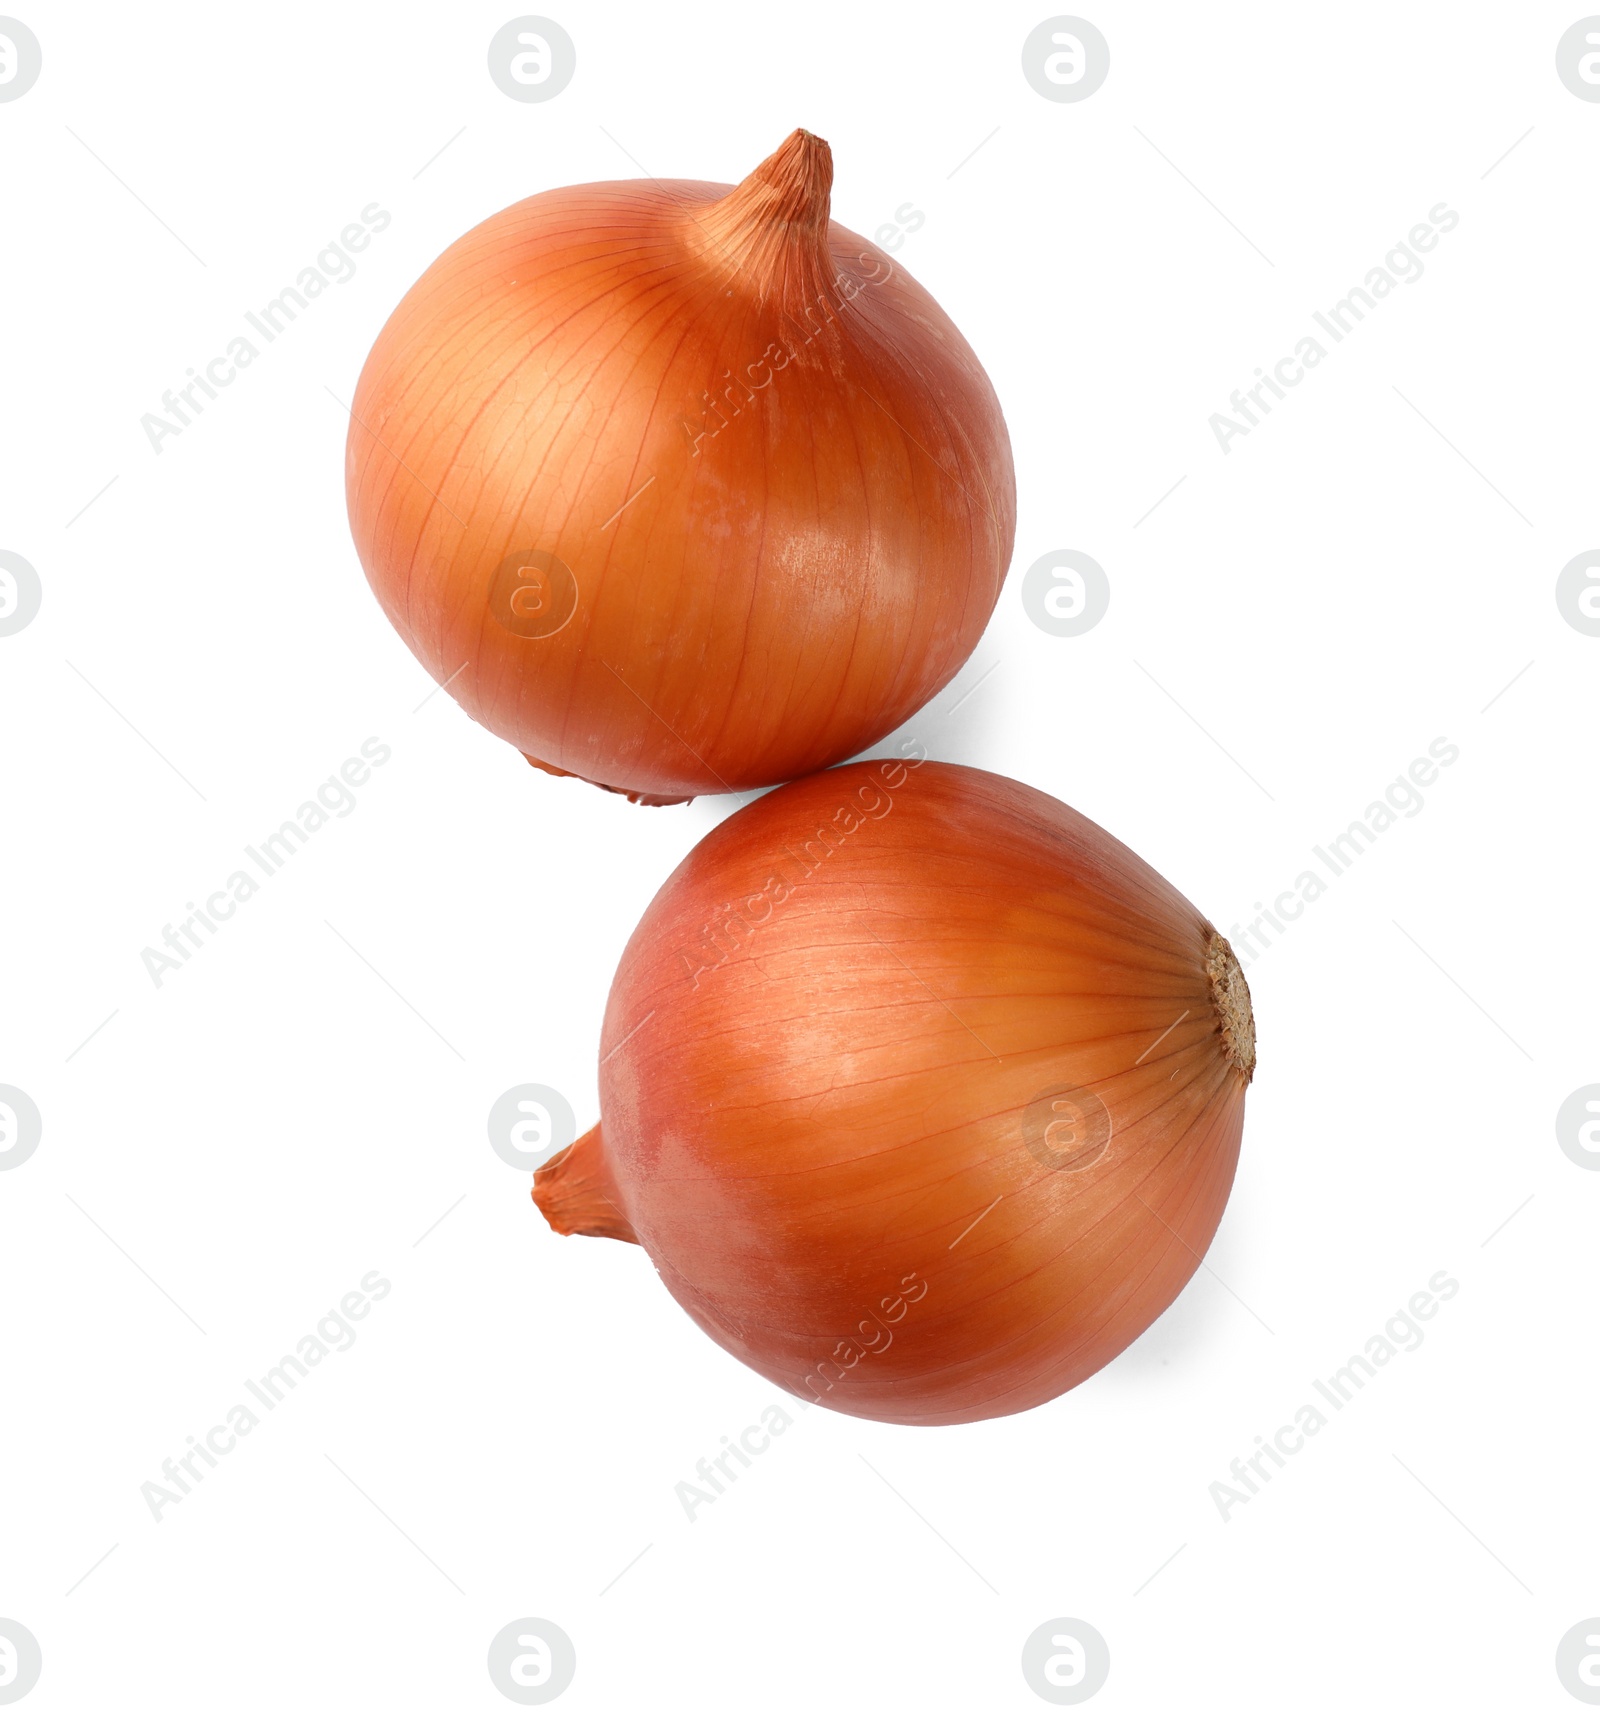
575	1192
772	228
793	185
1230	999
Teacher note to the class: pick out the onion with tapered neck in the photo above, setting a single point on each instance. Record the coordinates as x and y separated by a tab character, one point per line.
923	1093
681	487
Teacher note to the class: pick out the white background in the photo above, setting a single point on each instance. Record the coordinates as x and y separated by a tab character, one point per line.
274	1121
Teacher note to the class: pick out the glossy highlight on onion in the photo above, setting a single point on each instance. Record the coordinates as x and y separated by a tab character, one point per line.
681	487
922	1092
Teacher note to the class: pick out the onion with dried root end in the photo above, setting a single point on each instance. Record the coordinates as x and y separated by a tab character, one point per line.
680	487
923	1093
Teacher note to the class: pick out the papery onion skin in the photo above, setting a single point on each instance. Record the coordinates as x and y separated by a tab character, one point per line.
833	1067
778	475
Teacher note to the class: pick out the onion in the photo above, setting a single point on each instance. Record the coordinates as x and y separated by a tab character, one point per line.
922	1092
680	487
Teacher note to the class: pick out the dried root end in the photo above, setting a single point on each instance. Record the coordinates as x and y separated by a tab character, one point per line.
639	797
1230	998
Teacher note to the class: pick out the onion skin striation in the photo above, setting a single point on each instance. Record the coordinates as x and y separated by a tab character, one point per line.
922	1092
681	487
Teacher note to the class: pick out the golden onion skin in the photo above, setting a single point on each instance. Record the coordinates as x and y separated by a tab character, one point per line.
923	1093
681	487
